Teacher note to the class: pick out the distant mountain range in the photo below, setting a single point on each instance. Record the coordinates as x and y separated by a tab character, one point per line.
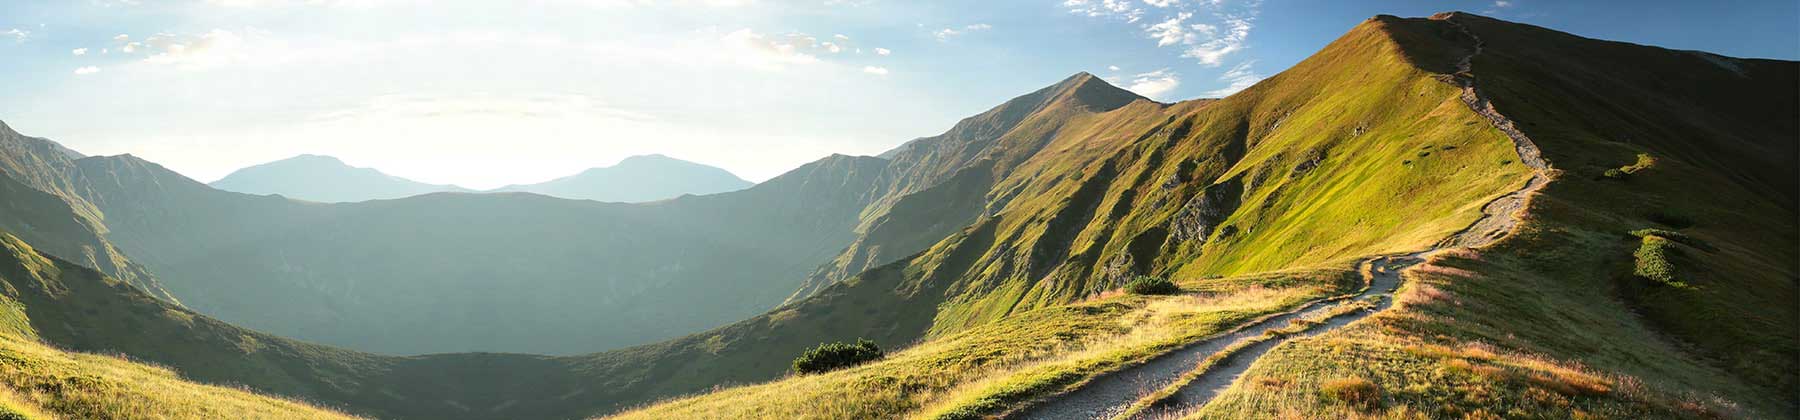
329	180
639	179
1650	274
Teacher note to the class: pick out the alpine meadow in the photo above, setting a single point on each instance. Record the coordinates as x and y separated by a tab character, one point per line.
619	209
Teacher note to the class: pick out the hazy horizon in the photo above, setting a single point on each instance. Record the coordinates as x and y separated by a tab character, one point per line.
527	92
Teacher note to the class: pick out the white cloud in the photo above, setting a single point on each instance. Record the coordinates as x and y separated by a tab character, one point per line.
1171	32
214	48
122	38
87	70
18	35
79	51
1113	68
1154	84
1237	78
883	51
1213	51
1210	40
1120	9
1502	3
880	71
774	52
947	33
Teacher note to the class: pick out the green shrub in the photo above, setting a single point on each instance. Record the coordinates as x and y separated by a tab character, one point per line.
833	356
1150	285
1653	262
1644	161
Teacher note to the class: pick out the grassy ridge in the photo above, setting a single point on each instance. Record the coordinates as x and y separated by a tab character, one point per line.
1552	322
41	381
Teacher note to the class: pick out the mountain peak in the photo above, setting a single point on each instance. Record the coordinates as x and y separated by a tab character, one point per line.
1088	90
309	156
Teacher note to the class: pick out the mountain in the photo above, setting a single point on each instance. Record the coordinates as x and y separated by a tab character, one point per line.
638	179
1391	140
1632	210
41	190
53	306
483	272
324	179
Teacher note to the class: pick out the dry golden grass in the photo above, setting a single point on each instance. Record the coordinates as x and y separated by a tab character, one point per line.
980	371
40	382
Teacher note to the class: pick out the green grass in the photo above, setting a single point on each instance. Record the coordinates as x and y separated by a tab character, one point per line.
983	370
40	381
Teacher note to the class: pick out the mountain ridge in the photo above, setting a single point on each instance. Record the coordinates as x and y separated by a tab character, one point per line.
1045	207
325	178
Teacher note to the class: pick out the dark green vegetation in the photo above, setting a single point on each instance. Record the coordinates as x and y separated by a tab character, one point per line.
833	356
999	246
1152	285
1653	262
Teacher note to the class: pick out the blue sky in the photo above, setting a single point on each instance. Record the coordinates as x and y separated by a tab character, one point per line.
483	94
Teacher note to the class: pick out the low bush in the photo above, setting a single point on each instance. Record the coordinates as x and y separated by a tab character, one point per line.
833	356
1151	285
1644	161
1653	262
1356	392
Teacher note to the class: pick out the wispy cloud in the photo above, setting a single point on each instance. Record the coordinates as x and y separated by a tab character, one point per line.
87	70
1154	84
879	71
1221	42
18	35
1119	9
1236	79
947	33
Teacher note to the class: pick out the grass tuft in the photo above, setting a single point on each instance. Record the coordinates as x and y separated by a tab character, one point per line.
1354	391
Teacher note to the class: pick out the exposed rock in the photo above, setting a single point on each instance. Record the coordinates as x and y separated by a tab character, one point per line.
1205	211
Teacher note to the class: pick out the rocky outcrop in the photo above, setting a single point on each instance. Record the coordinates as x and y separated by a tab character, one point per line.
1203	213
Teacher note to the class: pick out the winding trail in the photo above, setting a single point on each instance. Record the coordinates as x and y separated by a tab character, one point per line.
1110	395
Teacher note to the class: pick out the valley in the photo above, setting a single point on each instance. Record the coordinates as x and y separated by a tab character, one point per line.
1432	217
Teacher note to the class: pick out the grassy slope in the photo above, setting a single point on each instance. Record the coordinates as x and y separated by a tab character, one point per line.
1326	152
1091	190
37	164
1110	187
1021	357
1551	323
41	381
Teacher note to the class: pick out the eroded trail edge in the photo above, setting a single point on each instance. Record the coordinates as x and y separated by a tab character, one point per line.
1113	395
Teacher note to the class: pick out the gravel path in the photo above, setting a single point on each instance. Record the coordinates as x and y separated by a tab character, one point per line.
1110	395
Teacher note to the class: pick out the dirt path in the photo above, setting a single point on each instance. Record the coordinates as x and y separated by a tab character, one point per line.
1111	395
